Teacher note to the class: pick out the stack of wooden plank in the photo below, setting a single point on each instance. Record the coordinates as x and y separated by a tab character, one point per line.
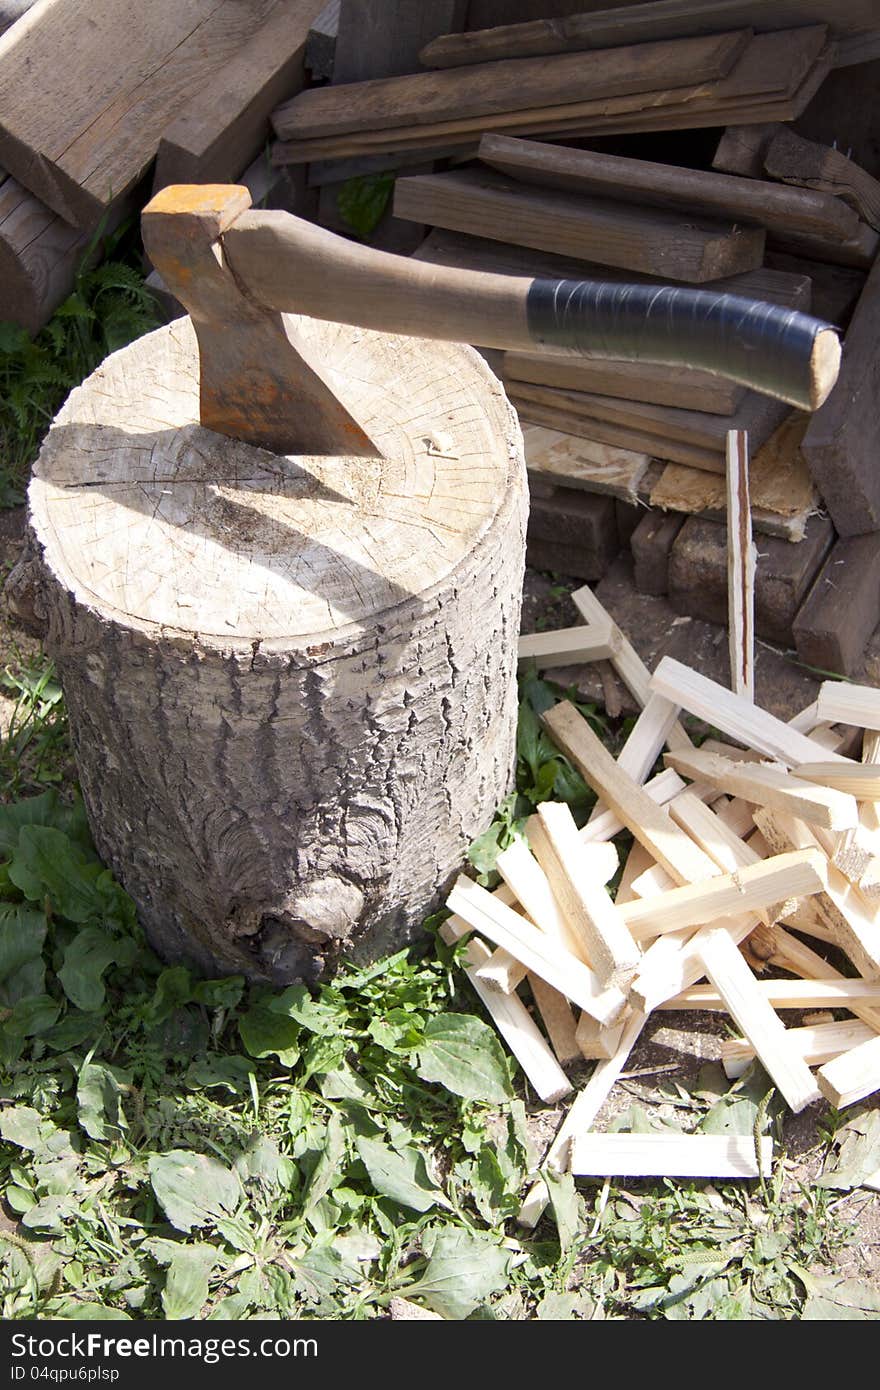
93	92
767	857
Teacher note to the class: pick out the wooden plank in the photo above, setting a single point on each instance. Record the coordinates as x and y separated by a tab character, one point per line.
852	1076
723	843
842	442
651	241
741	993
731	714
550	415
223	127
741	149
582	463
557	1018
795	955
729	198
321	41
791	875
861	780
520	1032
772	786
842	609
39	255
538	953
741	562
596	1042
842	702
816	1044
607	825
528	882
564	647
784	994
85	143
791	158
669	1156
632	381
586	906
637	23
442	247
435	98
650	825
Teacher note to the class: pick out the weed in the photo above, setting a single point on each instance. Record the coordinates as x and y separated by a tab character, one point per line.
34	750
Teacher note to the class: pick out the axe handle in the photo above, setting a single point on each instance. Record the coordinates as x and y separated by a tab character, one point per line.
287	264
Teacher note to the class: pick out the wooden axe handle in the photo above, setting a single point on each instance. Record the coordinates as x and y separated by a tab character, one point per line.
290	265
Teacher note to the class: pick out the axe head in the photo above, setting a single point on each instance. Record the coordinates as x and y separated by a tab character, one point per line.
259	381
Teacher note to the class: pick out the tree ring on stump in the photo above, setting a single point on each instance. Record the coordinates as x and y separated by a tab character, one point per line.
291	680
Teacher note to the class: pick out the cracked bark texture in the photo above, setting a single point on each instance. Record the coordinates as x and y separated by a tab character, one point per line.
291	680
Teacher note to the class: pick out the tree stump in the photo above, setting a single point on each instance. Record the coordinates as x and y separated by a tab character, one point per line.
291	680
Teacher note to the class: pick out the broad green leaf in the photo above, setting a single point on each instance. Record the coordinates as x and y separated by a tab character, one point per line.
22	934
31	1017
232	1073
558	1307
267	1034
346	1084
329	1168
219	994
464	1270
73	1030
857	1156
322	1055
99	1094
22	1126
403	1176
261	1162
189	1268
315	1015
566	1205
173	989
362	201
46	863
91	1312
89	955
831	1296
192	1188
463	1054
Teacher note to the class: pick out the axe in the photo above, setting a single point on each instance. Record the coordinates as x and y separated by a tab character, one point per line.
244	274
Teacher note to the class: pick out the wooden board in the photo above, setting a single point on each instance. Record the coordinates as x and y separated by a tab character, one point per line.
630	381
593	430
669	1156
85	143
321	41
443	247
636	23
764	204
581	463
793	160
653	242
432	98
222	129
842	442
39	254
842	609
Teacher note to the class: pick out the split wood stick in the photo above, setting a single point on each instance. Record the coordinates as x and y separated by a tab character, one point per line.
721	837
741	562
625	659
842	703
852	1076
528	882
586	906
558	1019
669	1156
734	716
537	952
806	720
581	1118
654	881
795	955
791	875
857	856
567	647
597	860
784	994
773	787
596	1041
646	741
607	825
648	822
520	1032
870	814
740	991
860	780
817	1044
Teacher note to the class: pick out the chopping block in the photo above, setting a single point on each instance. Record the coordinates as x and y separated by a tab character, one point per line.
278	548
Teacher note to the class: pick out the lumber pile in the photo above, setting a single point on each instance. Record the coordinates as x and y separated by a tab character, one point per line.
752	888
178	91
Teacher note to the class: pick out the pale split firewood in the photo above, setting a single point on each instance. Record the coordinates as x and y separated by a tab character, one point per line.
528	882
649	823
741	562
783	994
581	1117
557	1018
673	963
791	875
646	741
857	856
597	1041
670	1155
851	1076
817	1044
735	716
653	881
772	786
795	955
638	862
740	991
520	1032
625	659
598	860
567	647
585	904
537	952
859	780
659	789
806	720
721	836
843	703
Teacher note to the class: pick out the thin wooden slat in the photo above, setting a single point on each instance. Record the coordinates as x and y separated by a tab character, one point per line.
741	563
785	994
860	780
565	647
557	1018
851	1076
645	742
596	1041
771	786
669	1155
633	381
842	702
795	955
582	463
674	963
817	1044
791	158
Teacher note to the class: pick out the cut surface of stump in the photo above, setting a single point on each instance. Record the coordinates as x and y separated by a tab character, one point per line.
291	680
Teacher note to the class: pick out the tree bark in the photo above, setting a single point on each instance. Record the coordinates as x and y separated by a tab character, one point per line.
291	680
